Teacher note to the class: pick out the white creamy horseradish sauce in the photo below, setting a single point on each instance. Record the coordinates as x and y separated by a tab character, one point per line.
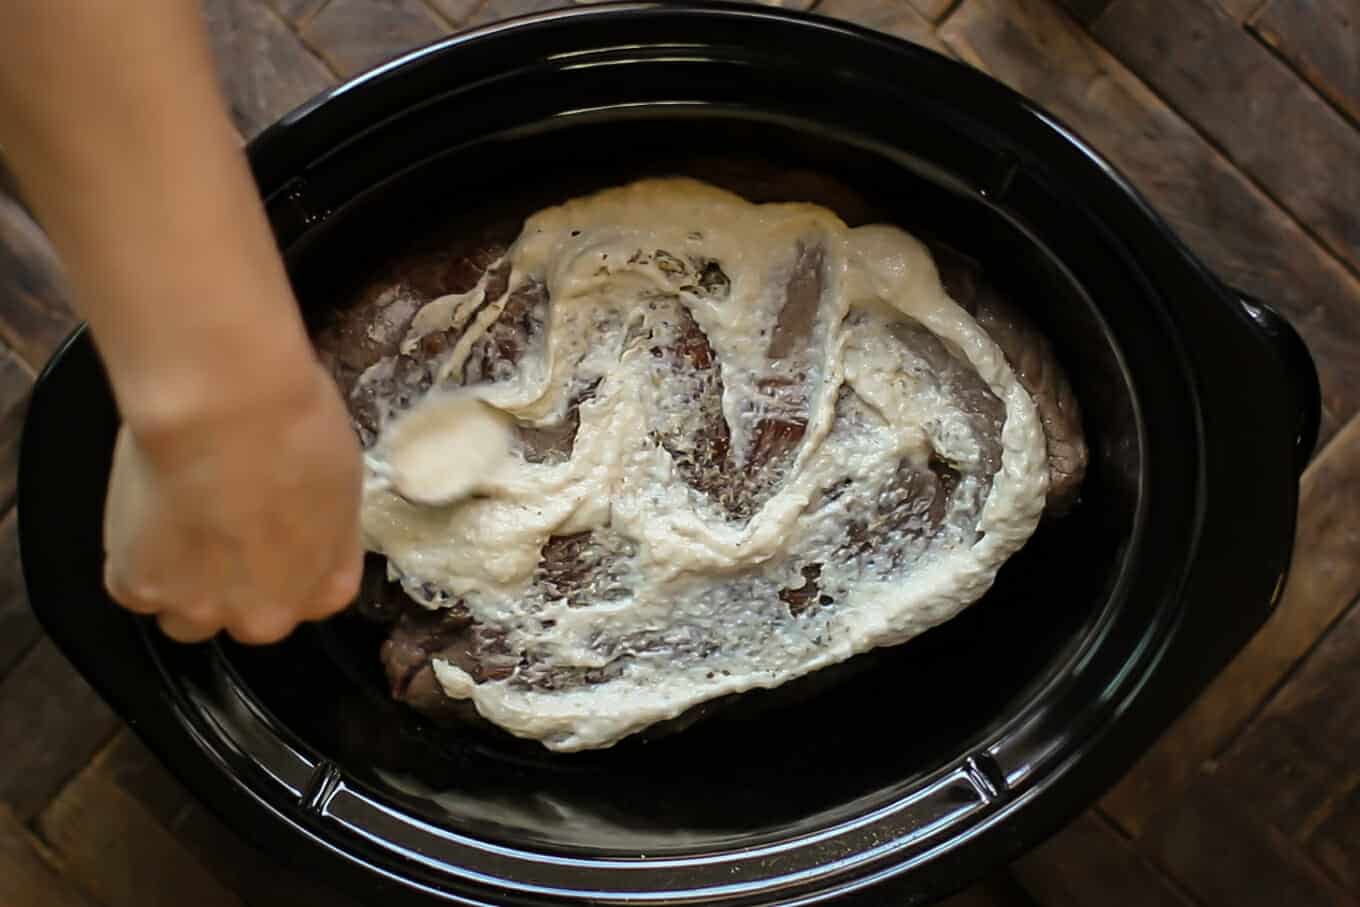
793	447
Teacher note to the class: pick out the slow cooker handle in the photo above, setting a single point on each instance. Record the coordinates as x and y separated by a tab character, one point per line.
1299	370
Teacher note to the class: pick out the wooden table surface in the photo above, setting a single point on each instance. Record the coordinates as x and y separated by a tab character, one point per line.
1236	118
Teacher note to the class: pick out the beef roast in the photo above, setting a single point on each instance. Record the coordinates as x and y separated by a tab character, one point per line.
363	348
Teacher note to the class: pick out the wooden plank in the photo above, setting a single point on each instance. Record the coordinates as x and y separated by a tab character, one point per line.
1244	98
35	308
1321	38
15	383
1223	854
19	629
1000	890
253	876
27	878
1336	843
355	35
1085	11
1240	10
51	723
1298	760
1324	579
120	853
1090	863
455	12
131	766
896	17
934	10
264	68
9	184
1241	234
496	10
1277	768
1316	702
297	11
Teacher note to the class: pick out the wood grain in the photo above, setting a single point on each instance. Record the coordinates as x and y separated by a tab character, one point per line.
16	381
130	765
896	17
1089	863
120	853
933	10
1085	11
1276	767
1245	99
355	35
1302	756
1324	579
1315	704
1000	890
1240	10
1321	38
1226	856
253	876
9	184
455	11
265	70
27	878
1336	842
496	10
297	11
1036	48
19	629
51	723
35	308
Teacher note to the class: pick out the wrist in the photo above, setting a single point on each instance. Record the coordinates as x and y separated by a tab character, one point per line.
255	369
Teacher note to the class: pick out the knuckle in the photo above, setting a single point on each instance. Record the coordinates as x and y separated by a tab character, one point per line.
342	587
266	626
201	611
136	596
338	588
185	629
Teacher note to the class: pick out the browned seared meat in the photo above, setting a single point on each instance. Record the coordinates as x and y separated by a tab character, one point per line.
1030	353
701	444
697	438
420	636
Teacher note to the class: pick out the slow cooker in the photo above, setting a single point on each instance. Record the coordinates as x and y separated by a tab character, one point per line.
944	757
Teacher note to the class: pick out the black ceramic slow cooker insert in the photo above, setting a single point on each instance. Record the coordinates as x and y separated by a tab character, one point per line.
945	756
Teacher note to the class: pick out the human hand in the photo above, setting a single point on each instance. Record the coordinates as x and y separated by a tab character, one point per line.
243	518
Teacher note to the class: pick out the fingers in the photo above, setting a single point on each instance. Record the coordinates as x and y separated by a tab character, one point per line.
222	538
339	589
263	625
124	592
254	624
183	628
189	623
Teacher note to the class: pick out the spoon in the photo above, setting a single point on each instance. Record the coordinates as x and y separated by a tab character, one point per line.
444	448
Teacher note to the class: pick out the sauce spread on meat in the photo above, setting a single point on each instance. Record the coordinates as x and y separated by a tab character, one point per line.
750	442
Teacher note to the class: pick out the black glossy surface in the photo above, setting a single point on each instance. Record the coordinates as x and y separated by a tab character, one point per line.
938	759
